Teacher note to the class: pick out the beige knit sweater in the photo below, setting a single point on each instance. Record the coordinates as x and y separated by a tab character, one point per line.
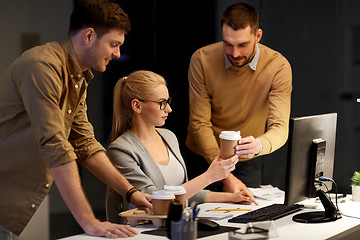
238	99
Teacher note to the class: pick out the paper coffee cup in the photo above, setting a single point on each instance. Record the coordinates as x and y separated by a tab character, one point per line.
178	191
161	202
228	141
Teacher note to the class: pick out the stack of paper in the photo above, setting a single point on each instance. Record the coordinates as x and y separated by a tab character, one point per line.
214	215
272	193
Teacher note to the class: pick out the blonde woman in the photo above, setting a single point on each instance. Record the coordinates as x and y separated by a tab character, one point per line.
149	156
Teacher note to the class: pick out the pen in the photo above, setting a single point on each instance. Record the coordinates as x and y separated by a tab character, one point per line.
228	210
196	212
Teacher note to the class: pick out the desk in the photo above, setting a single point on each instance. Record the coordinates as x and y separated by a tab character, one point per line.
286	228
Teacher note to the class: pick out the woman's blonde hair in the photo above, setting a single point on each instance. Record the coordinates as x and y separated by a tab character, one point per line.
137	85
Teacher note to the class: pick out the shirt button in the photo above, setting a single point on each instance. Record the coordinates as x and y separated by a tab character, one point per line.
33	206
69	111
71	76
47	185
76	86
79	76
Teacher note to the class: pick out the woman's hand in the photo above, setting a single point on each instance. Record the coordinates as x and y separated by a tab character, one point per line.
221	168
233	184
241	197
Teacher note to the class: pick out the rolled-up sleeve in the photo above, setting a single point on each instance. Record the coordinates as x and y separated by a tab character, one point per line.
82	135
39	86
57	114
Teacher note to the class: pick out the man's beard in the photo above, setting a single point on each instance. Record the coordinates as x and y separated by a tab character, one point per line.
247	60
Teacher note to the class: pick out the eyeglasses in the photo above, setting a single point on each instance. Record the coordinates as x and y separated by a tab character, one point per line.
163	104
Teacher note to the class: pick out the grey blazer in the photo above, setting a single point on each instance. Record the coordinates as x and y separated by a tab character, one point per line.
132	159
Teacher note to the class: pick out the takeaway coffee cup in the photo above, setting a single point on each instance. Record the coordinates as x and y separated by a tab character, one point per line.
161	202
228	141
178	191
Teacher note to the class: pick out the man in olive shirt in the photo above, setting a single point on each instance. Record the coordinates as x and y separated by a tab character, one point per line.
44	126
239	84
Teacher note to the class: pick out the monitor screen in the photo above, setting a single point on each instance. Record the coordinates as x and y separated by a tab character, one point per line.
311	149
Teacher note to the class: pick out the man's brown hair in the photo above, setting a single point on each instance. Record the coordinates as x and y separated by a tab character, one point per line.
239	16
101	15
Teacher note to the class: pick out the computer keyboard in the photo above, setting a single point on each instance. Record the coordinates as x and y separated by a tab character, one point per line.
267	213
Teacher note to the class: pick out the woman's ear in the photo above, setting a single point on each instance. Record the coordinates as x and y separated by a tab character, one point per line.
136	106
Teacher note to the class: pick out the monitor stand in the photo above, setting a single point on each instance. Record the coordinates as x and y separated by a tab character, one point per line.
330	213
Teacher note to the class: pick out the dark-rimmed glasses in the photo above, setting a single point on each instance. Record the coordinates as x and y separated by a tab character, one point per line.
162	103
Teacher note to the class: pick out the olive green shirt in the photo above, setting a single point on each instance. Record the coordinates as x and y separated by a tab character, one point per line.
43	124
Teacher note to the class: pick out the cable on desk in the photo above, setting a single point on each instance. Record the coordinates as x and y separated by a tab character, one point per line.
325	179
350	216
322	179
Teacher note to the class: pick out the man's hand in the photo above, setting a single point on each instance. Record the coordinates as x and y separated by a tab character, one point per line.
140	199
233	184
110	230
67	179
247	147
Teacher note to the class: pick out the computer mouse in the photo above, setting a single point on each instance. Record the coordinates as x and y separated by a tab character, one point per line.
207	225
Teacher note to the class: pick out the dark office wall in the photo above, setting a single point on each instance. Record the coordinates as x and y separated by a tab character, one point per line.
164	35
321	41
319	38
316	38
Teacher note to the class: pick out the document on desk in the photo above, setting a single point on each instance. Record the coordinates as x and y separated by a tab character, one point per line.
214	215
272	193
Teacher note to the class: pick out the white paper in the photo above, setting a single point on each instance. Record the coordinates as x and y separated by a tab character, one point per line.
214	215
268	193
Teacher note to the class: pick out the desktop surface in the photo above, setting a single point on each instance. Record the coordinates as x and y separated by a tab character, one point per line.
285	227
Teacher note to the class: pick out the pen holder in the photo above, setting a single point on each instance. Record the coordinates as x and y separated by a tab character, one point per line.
183	230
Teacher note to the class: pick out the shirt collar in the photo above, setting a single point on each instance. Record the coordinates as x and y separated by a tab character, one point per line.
251	64
73	64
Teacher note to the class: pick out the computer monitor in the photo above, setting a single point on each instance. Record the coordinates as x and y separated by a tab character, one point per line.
311	150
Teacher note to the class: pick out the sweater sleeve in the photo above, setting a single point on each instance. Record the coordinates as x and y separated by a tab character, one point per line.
199	197
200	111
279	110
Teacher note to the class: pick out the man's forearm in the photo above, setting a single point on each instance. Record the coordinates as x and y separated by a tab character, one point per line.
67	180
100	165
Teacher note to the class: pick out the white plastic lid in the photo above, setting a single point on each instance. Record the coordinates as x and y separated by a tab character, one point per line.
177	190
162	194
230	135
